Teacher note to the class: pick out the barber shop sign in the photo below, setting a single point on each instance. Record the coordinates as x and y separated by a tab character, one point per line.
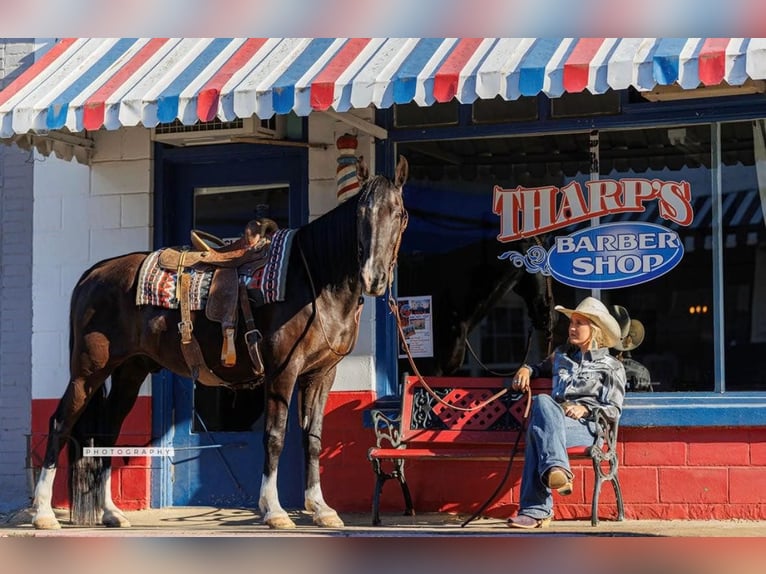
604	256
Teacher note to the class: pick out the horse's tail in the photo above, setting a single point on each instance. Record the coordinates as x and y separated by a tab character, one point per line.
87	475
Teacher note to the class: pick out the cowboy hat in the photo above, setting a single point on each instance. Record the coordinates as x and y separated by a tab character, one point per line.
596	311
623	319
634	337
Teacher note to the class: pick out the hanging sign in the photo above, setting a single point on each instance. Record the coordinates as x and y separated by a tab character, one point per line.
601	256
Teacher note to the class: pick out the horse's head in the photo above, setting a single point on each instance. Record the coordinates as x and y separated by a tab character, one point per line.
381	220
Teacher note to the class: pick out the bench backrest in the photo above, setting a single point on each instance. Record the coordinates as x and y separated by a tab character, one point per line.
428	420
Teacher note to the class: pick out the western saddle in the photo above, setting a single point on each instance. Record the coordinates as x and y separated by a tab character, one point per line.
226	262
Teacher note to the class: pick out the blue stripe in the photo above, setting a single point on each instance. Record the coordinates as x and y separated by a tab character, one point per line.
666	60
405	78
283	89
532	65
167	101
56	115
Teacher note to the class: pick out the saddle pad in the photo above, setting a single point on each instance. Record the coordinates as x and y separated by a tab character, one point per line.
157	287
268	284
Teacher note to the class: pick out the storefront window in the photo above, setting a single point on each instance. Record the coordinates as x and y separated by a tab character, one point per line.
450	251
743	177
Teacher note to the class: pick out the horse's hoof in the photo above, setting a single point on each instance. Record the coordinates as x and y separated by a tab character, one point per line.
46	523
280	522
328	520
115	520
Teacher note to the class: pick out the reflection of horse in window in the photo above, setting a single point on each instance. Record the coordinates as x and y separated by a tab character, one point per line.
335	259
465	284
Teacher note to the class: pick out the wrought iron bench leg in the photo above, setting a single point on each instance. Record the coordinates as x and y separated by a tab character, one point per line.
618	495
596	492
380	479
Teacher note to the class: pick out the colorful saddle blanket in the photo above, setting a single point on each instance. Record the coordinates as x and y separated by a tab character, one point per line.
268	284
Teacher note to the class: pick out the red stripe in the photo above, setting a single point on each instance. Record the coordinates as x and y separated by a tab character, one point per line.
323	86
207	99
712	61
448	74
93	109
35	69
577	66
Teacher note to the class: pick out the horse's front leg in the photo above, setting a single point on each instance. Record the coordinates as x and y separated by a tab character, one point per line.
314	392
278	394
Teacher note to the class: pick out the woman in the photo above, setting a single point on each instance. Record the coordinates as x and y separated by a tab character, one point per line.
584	376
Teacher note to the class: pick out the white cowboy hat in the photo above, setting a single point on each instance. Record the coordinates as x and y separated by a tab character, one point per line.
597	312
634	337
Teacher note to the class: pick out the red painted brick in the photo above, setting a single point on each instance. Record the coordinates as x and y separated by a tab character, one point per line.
639	484
694	485
718	453
134	485
747	485
758	450
662	453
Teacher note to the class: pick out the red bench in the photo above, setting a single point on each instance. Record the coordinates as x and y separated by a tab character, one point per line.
427	428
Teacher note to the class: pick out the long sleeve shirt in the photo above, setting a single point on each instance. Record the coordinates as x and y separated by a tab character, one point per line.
593	379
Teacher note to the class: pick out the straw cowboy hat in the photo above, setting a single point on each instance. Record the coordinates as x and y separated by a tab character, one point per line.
634	337
596	312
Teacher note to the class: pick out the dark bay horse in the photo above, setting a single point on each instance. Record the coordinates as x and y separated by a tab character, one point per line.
348	252
465	284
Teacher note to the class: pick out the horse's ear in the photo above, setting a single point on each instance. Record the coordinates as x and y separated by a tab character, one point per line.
402	171
362	169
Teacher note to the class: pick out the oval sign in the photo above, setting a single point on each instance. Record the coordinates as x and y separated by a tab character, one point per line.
615	255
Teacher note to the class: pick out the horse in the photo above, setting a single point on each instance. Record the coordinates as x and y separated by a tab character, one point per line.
465	284
348	252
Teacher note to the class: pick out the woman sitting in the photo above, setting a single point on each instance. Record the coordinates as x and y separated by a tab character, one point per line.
585	376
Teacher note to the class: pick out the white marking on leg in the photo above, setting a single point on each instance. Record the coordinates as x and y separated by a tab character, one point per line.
44	517
269	498
113	516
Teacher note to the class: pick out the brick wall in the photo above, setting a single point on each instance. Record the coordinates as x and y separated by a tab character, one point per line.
16	179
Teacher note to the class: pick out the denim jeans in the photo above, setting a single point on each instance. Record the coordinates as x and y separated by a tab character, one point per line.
549	434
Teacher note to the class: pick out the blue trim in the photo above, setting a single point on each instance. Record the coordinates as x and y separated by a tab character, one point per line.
694	410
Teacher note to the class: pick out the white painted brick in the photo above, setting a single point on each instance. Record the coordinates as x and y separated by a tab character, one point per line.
68	245
323	196
136	143
47	214
103	212
355	373
123	177
108	146
108	243
135	210
50	343
323	163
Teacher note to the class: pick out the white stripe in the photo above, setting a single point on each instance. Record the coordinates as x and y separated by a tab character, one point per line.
466	83
302	91
29	113
339	103
187	99
619	74
493	72
114	103
734	70
140	103
553	82
382	93
643	66
688	64
597	69
421	97
244	96
226	99
376	74
756	59
75	111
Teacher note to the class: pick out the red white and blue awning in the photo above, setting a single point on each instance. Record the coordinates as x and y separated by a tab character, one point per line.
92	83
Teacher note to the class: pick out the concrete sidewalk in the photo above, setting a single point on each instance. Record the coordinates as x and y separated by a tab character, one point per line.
183	522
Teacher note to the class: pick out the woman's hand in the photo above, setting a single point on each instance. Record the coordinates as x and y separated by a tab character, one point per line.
521	379
575	411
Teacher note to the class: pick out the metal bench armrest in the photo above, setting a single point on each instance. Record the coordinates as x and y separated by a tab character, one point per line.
386	429
606	429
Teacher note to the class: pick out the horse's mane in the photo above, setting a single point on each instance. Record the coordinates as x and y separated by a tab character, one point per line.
330	241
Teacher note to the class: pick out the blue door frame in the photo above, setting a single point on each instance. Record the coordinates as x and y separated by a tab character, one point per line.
217	468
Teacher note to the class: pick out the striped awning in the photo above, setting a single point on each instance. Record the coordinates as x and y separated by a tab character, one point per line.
92	83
